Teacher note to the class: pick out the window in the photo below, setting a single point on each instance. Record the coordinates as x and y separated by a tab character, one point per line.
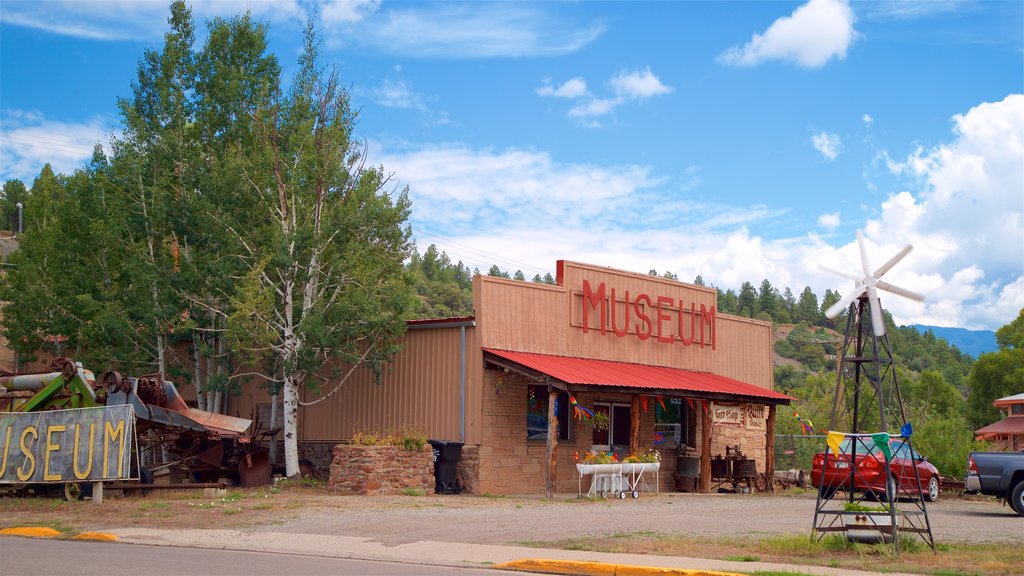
1016	409
537	413
679	417
619	423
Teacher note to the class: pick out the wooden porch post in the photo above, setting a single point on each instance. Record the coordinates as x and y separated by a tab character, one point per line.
769	450
549	487
705	448
634	426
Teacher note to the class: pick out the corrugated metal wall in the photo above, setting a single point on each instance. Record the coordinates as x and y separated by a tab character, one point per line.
419	390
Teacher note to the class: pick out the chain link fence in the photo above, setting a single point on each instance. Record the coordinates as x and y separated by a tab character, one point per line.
796	451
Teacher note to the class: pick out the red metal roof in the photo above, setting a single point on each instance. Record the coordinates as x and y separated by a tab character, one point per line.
585	371
1011	425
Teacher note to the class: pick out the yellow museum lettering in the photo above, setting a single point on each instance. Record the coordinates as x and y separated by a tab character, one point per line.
51	447
27	451
7	446
92	435
112	434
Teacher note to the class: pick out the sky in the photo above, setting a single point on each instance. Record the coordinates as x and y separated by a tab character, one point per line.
738	141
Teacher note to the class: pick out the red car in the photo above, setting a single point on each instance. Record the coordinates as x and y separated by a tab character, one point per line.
829	474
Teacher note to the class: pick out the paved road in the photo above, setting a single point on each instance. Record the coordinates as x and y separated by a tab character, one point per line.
32	557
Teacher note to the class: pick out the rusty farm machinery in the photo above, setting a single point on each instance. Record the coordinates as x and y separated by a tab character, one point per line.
169	440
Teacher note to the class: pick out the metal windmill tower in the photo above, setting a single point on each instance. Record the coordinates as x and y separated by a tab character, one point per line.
866	386
867	400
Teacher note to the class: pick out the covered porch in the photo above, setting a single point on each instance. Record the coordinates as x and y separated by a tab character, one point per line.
631	395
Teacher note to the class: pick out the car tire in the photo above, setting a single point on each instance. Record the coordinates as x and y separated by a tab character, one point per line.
933	489
1017	498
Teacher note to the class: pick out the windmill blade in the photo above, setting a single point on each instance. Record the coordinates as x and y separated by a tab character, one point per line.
853	277
863	253
900	291
838	307
892	261
877	321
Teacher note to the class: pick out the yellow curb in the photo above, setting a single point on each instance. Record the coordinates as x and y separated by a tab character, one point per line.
100	536
574	568
30	531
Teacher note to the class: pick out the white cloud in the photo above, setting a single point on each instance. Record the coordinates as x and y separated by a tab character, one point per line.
339	11
571	88
814	34
868	120
912	9
625	86
828	144
639	84
397	94
28	140
966	219
473	30
111	20
829	221
594	107
523	210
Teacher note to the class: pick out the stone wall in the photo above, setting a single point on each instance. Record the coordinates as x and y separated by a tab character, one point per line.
468	471
374	470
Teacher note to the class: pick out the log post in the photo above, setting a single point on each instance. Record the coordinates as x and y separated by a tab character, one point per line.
769	450
634	426
549	485
705	448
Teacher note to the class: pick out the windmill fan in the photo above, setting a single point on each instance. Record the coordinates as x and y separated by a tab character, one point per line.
869	284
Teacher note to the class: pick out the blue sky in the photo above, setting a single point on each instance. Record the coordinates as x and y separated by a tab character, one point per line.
735	140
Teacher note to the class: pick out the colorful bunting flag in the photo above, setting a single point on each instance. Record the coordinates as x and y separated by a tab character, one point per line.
882	442
833	440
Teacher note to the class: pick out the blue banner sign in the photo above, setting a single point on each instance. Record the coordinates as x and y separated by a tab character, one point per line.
78	445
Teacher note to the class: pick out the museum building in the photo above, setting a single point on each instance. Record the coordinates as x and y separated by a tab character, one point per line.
604	361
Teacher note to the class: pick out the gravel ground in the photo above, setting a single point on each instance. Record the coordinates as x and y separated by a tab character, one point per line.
479	520
394	520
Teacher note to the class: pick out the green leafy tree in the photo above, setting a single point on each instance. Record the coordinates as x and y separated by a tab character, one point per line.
14	193
807	307
747	300
997	374
323	242
768	299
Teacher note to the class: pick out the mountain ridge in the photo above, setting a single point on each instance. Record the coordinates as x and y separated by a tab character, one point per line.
973	342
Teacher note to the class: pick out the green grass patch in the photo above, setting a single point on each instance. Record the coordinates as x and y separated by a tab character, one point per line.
414	492
743	558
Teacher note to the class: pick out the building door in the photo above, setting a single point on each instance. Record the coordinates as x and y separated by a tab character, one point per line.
616	437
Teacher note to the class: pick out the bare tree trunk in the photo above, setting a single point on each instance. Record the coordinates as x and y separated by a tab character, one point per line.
291	433
218	405
274	417
198	370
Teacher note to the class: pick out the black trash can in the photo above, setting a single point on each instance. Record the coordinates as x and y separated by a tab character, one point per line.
446	466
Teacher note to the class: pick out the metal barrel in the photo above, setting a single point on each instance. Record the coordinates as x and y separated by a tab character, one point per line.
32	382
688	466
744	468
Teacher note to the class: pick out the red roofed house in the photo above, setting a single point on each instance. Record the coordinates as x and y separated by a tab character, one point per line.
1008	433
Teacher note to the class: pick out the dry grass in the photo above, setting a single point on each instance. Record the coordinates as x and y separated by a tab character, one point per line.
835	552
